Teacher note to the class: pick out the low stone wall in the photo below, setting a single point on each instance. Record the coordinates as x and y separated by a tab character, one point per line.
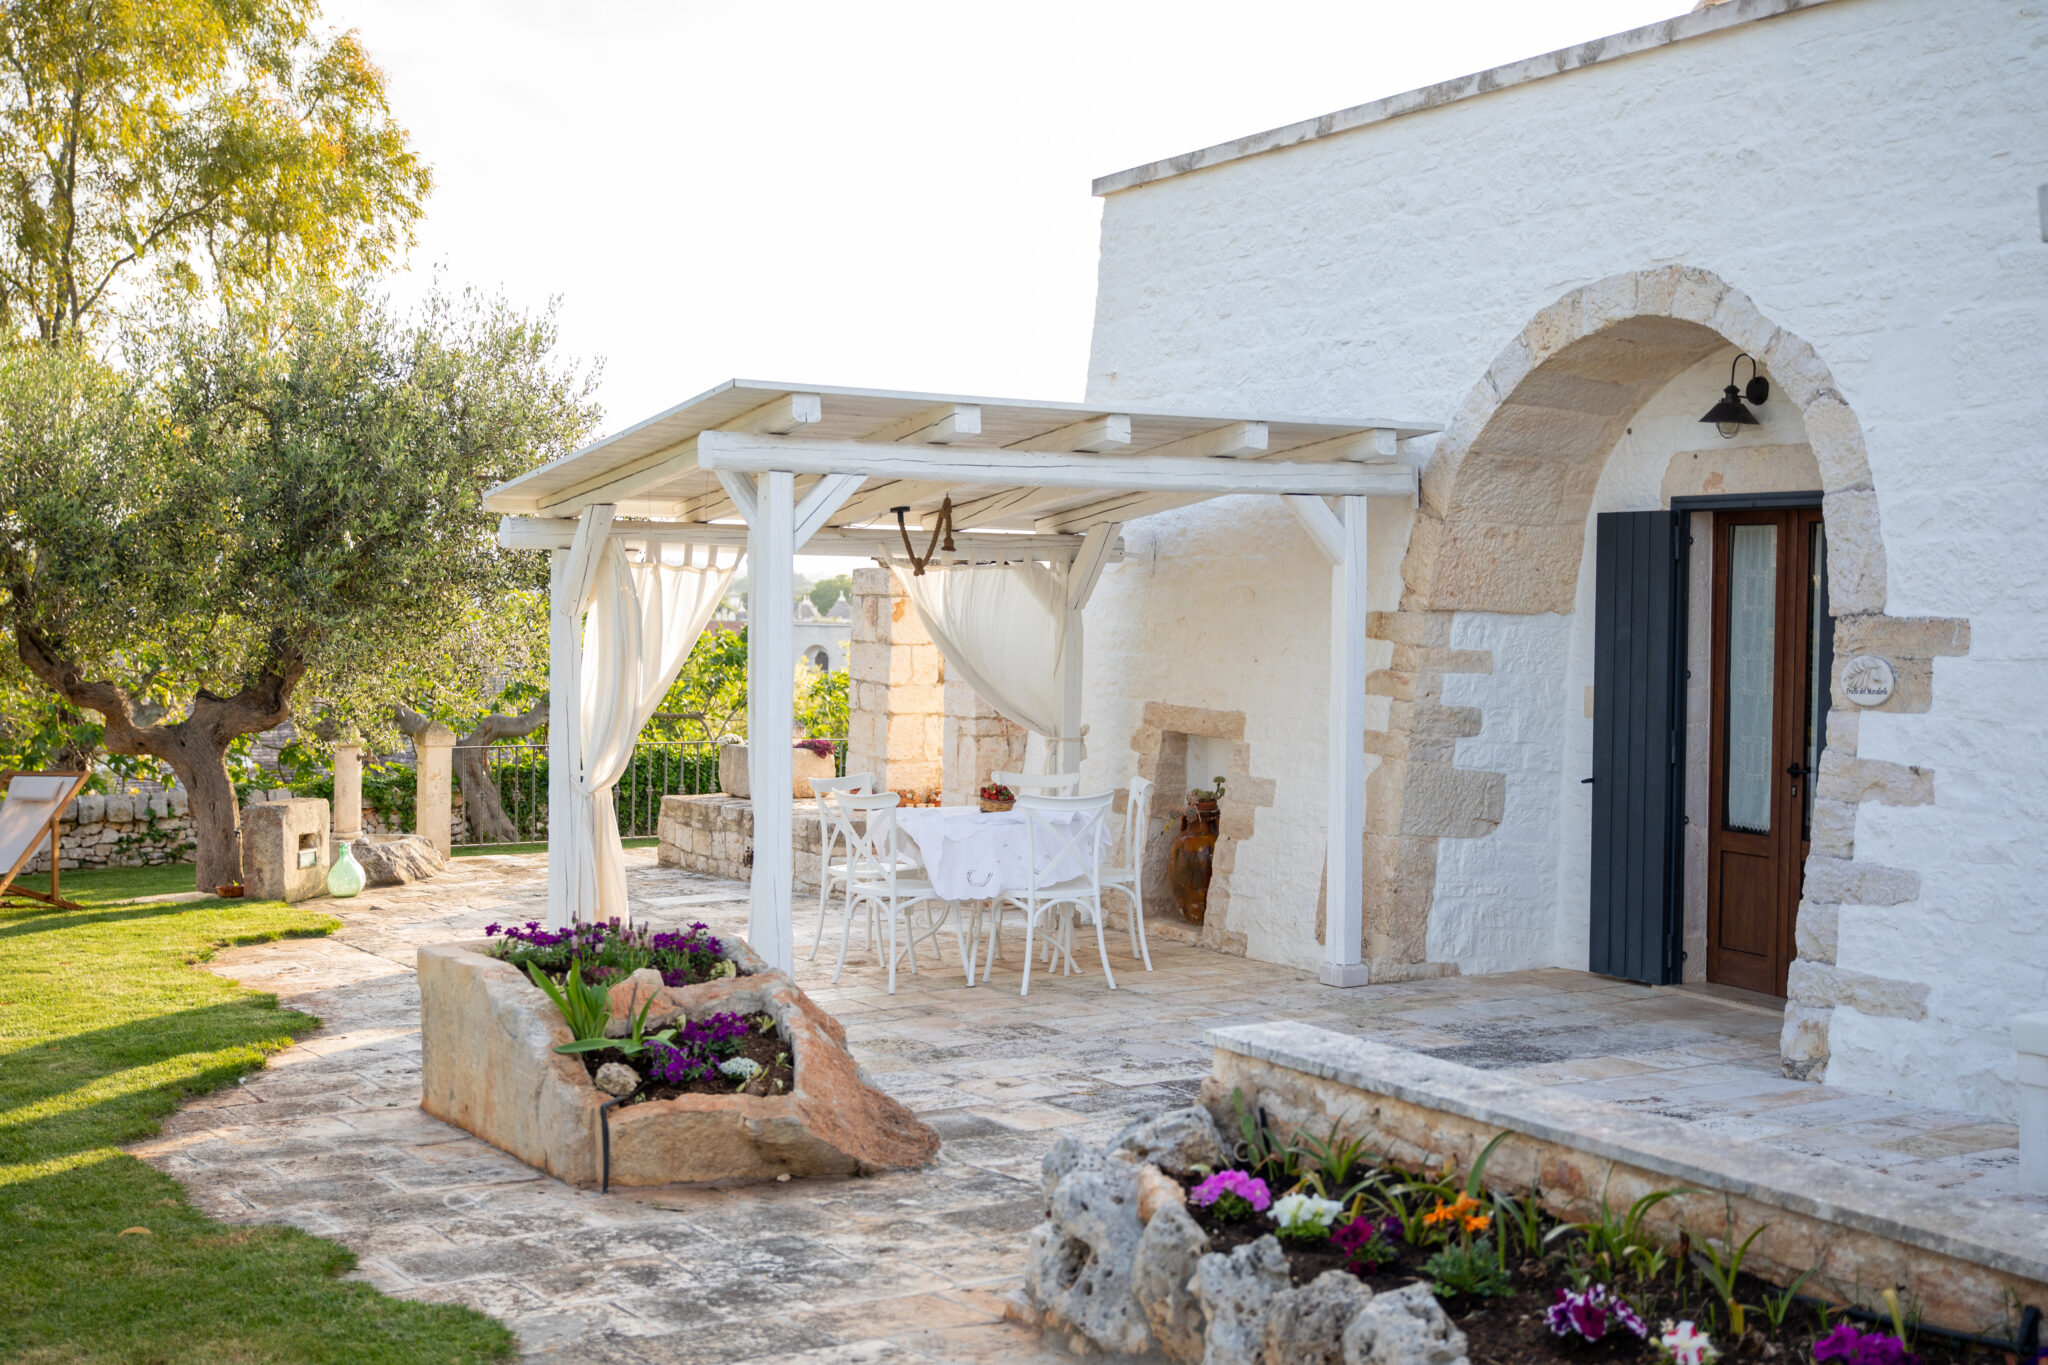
1962	1261
714	835
488	1065
121	831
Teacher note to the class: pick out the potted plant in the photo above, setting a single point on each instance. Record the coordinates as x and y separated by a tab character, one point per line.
995	797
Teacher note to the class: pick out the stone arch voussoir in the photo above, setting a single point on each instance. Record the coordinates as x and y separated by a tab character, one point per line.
1501	528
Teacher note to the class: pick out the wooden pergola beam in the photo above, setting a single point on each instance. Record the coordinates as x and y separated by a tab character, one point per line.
557	533
1197	474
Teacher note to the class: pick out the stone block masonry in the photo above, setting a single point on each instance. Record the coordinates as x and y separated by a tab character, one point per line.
120	831
897	707
714	835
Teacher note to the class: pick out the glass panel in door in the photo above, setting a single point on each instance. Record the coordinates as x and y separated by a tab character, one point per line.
1752	659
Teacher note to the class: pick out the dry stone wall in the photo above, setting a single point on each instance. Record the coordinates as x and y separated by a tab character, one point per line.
121	831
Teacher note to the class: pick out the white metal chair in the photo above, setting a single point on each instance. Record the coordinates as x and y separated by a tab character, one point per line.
1128	876
1050	842
876	881
832	834
1038	784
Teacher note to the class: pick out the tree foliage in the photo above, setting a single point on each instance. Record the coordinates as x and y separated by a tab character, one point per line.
825	593
286	504
708	699
209	145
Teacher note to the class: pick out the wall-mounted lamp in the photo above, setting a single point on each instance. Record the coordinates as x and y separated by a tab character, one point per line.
1729	415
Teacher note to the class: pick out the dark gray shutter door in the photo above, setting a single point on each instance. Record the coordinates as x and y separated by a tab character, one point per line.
1638	741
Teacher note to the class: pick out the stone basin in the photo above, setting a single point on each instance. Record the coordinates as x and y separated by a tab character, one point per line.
488	1065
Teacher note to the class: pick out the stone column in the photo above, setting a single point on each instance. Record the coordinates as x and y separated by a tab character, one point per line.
435	800
897	707
348	792
978	741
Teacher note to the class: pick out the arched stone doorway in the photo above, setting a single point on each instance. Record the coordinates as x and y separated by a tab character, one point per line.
1502	531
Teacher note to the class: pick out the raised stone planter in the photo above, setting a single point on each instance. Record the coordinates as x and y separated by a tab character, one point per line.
1119	1266
1960	1260
488	1065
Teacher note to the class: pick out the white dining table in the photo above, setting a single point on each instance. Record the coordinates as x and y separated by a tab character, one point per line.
970	854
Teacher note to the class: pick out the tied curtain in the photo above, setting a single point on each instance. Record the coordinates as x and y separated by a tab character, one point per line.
644	617
1002	630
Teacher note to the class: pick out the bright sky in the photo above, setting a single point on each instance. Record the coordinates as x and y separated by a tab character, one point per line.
884	194
888	194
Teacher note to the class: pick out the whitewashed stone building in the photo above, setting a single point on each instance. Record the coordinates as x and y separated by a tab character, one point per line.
1560	260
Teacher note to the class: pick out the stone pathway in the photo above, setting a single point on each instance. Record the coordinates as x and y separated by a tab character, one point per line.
910	1267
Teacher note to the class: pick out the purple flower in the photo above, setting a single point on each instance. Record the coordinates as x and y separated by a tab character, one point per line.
1591	1313
1249	1188
700	1045
1854	1347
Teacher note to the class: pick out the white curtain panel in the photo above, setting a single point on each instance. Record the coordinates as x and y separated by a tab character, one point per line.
1002	629
644	617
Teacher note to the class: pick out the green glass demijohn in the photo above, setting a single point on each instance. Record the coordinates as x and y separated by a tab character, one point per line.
345	878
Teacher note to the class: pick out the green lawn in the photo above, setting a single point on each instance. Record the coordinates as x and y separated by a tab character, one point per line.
105	1026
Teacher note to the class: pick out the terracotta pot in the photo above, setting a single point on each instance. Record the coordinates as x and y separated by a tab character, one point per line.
229	891
1188	860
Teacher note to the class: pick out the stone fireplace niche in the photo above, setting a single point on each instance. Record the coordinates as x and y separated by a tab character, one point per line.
1181	748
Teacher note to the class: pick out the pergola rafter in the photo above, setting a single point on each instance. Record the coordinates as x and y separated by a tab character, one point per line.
783	469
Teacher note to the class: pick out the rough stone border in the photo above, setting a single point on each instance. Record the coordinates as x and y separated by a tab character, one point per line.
1478	546
1957	1257
488	1065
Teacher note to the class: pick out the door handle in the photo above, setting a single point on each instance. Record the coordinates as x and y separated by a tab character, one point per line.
1797	769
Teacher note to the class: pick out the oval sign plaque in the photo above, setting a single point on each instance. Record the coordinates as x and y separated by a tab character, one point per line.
1868	680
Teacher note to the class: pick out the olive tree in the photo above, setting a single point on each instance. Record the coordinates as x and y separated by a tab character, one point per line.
285	504
214	146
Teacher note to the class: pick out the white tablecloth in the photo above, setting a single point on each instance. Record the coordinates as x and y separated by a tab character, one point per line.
970	854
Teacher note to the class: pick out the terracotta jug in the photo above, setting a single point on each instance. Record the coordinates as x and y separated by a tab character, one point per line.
1188	860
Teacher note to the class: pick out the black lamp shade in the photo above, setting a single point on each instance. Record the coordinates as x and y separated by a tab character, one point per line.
1730	411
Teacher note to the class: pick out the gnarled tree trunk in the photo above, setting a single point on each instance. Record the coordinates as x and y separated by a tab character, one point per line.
482	803
195	748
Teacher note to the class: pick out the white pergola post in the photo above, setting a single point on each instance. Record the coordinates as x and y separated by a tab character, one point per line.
1082	576
1341	536
771	706
777	527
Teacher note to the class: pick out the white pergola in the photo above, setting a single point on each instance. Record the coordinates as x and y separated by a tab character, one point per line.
775	469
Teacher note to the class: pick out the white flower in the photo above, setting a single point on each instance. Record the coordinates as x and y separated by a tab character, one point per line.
740	1068
1300	1212
1687	1344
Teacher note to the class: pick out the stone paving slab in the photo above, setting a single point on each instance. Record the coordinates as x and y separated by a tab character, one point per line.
909	1267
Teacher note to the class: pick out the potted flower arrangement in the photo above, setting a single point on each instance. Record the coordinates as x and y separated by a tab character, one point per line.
995	797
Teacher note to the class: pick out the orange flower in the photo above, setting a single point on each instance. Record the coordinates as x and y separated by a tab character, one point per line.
1464	1208
1478	1222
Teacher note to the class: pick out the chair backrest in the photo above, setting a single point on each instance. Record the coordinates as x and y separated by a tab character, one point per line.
829	831
33	801
1055	784
1054	836
870	848
1137	815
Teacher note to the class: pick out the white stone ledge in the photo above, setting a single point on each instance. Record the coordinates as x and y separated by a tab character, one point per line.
2002	1236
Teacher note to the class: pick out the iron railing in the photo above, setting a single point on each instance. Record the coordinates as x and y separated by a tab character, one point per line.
673	767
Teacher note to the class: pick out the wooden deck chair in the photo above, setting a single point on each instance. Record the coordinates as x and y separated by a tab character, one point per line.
34	803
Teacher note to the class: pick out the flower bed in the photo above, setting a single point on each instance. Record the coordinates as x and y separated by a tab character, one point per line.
720	1054
1261	1249
613	950
647	1060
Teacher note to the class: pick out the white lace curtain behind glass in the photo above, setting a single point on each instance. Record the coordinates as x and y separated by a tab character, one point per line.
1752	668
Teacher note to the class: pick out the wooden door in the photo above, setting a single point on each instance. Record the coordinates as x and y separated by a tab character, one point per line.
1770	690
